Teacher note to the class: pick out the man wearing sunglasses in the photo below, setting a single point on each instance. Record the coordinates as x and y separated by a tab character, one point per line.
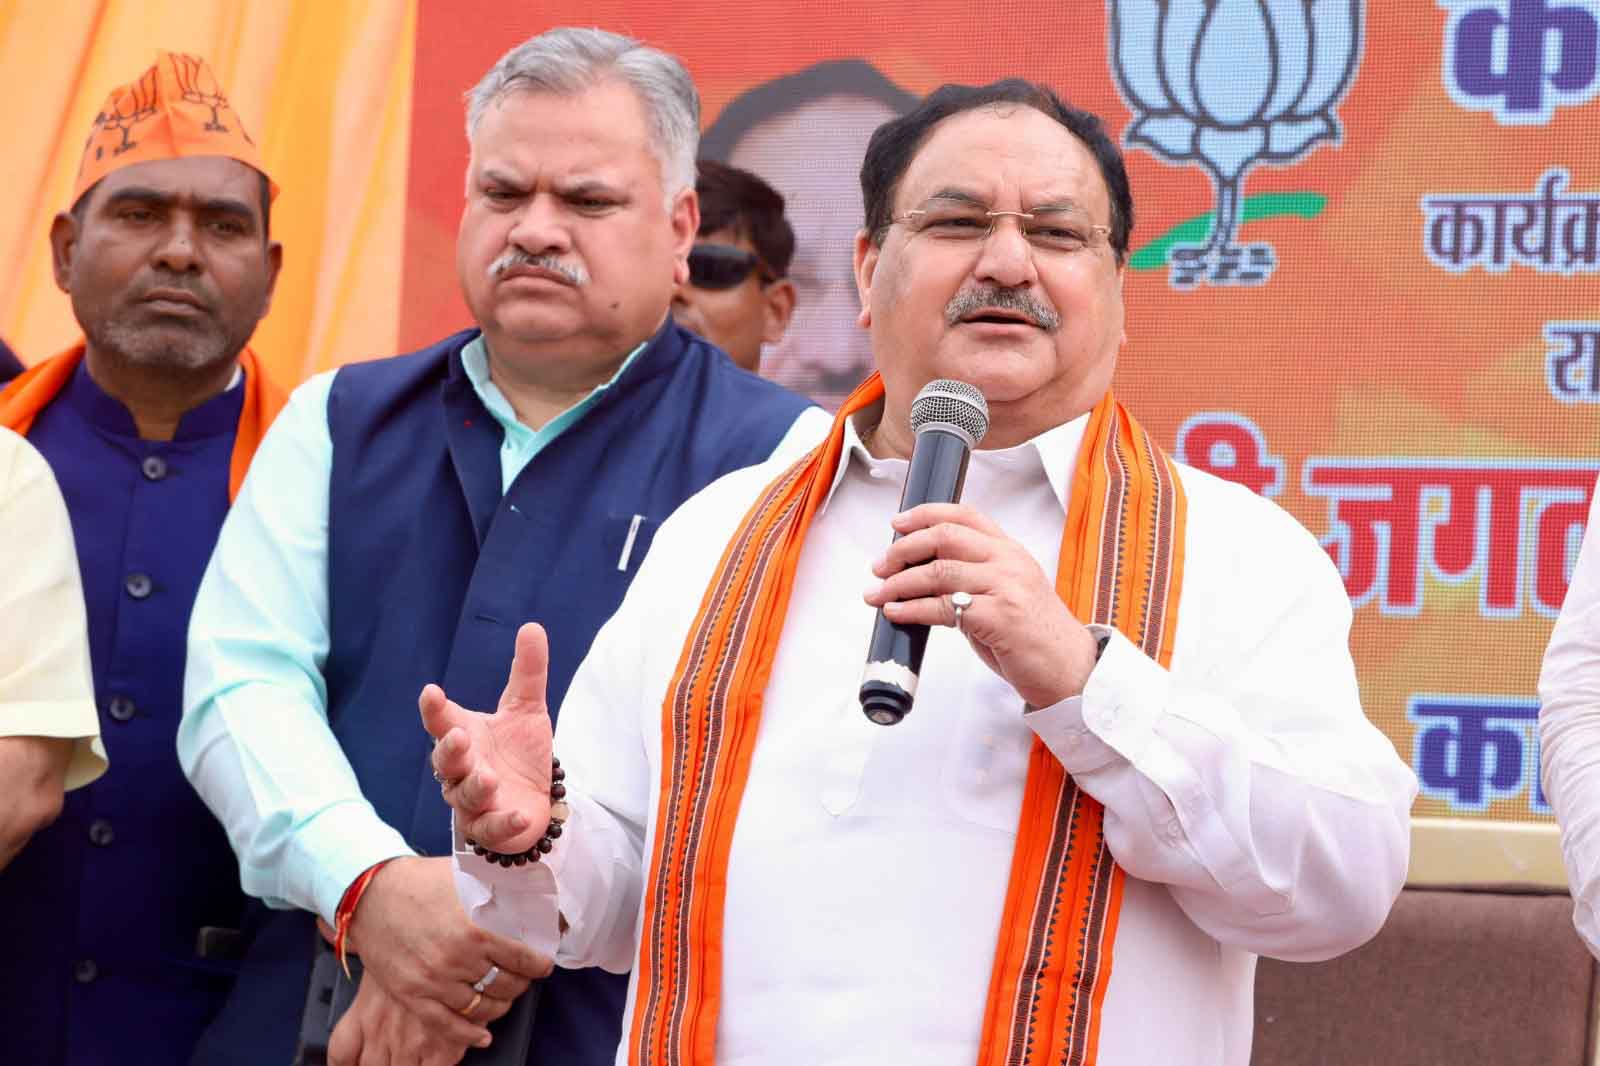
738	296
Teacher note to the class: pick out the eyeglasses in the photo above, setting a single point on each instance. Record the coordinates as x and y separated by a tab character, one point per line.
722	266
962	222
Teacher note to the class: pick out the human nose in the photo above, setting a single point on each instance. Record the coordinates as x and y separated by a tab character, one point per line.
176	251
540	228
1006	257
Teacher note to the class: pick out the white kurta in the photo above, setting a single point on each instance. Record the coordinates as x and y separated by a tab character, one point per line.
1569	731
1254	807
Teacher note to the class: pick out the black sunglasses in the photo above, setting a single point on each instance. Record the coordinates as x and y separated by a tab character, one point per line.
722	266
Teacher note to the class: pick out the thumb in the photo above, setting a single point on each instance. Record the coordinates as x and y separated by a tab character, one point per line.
440	715
530	672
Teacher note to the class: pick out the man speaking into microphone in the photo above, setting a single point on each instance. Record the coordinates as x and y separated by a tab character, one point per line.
1136	759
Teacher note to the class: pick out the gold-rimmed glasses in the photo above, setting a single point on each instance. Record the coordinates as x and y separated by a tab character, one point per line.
1049	229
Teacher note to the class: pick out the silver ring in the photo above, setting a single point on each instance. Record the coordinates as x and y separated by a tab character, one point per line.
483	983
960	601
437	776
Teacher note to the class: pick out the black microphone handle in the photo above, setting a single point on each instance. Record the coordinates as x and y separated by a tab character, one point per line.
894	658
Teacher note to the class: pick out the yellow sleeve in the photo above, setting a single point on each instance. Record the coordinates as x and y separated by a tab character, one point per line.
46	688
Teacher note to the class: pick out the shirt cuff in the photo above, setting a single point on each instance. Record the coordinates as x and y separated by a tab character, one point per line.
1125	697
339	844
1115	714
519	902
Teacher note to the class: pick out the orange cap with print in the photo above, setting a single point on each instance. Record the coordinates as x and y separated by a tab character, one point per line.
174	109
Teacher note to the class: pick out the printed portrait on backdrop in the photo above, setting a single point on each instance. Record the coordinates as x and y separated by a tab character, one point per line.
805	134
1360	281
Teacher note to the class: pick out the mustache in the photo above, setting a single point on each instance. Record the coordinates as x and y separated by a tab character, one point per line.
1002	299
516	257
173	285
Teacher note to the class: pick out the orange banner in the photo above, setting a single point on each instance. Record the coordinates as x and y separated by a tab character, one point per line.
1363	280
323	88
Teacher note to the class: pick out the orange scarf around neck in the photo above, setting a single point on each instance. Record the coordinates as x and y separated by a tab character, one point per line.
23	399
1121	565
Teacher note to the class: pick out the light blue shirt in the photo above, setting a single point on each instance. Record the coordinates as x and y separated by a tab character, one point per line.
522	442
255	739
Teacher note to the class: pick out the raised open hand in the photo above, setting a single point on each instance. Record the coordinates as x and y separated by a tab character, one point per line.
494	769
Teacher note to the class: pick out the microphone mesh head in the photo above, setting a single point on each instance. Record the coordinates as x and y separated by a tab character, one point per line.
951	403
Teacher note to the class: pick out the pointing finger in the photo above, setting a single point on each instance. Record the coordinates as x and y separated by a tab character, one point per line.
530	671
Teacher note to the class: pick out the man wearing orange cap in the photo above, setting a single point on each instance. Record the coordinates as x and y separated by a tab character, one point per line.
118	920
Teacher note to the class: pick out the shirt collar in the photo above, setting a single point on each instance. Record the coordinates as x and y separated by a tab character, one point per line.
213	418
1056	450
475	362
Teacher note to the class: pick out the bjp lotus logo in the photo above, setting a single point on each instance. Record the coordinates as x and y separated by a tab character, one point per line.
1228	85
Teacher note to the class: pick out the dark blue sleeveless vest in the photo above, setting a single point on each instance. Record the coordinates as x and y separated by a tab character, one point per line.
431	572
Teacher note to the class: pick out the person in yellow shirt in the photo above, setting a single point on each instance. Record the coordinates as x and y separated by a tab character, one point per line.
49	729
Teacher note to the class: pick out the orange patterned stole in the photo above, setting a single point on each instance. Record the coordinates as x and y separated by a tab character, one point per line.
23	399
1121	566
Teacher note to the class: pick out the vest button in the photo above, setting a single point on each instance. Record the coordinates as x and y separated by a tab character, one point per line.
122	708
100	833
84	971
138	585
154	467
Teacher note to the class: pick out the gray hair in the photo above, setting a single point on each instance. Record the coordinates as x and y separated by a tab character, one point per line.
568	60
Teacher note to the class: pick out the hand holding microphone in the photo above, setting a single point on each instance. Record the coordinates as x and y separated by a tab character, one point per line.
950	565
949	418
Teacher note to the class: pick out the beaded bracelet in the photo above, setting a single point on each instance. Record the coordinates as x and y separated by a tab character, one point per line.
559	812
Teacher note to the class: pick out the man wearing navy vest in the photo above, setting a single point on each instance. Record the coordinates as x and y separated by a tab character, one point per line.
405	516
120	921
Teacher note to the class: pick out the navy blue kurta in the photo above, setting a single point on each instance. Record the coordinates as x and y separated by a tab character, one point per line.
100	913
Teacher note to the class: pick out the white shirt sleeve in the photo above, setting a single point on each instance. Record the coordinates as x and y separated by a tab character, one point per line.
255	739
1569	731
1250	783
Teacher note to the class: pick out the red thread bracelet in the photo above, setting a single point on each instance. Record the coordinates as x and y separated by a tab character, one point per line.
346	912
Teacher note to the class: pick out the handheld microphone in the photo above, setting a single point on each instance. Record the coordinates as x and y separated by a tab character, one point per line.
949	419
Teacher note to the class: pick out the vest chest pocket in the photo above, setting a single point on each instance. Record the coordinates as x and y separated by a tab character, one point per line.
627	539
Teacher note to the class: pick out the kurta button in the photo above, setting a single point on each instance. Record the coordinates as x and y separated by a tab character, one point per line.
84	971
100	833
138	585
154	467
122	708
